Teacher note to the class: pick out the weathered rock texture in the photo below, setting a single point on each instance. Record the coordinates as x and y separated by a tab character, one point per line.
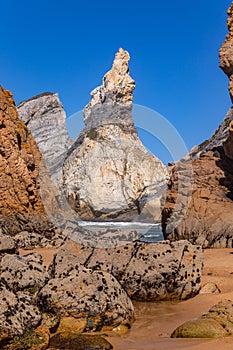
20	203
71	341
45	117
207	219
108	170
216	323
146	271
228	144
216	140
20	279
87	300
226	52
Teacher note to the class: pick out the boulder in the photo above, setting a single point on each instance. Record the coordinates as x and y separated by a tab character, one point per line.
210	288
7	245
86	300
18	312
216	323
74	341
146	271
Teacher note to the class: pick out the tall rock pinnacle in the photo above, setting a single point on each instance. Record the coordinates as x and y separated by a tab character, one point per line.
112	101
226	52
108	173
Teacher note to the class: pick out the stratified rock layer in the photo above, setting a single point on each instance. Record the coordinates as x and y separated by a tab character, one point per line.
146	271
45	117
20	203
108	170
226	52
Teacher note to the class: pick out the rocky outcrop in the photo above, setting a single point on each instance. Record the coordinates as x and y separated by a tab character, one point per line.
228	144
20	279
87	300
226	52
21	207
146	271
206	219
203	214
45	117
216	140
108	170
216	323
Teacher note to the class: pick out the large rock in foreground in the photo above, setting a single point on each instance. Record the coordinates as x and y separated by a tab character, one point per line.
87	300
146	271
108	172
216	323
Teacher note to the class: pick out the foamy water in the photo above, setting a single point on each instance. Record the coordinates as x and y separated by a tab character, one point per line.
149	232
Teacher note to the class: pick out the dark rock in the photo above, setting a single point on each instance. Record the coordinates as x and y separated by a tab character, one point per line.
73	341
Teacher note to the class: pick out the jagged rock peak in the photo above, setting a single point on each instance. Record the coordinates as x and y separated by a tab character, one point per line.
115	93
226	51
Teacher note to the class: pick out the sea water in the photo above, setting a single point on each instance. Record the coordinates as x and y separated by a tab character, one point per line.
148	232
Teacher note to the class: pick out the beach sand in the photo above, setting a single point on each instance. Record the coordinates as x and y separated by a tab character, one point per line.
156	321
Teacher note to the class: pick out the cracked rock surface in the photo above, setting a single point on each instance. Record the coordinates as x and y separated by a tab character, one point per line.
154	271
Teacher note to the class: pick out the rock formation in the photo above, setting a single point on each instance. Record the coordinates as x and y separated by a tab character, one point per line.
226	52
108	169
21	207
216	323
146	271
228	144
45	117
86	300
70	341
216	140
205	217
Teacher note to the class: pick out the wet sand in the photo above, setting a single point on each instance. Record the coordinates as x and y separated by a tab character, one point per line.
156	321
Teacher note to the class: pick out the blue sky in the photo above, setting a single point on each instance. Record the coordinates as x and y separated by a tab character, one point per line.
67	46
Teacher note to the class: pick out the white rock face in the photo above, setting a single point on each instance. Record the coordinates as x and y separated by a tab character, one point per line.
108	170
45	117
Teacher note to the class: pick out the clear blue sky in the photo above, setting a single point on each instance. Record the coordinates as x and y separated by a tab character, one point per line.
67	46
